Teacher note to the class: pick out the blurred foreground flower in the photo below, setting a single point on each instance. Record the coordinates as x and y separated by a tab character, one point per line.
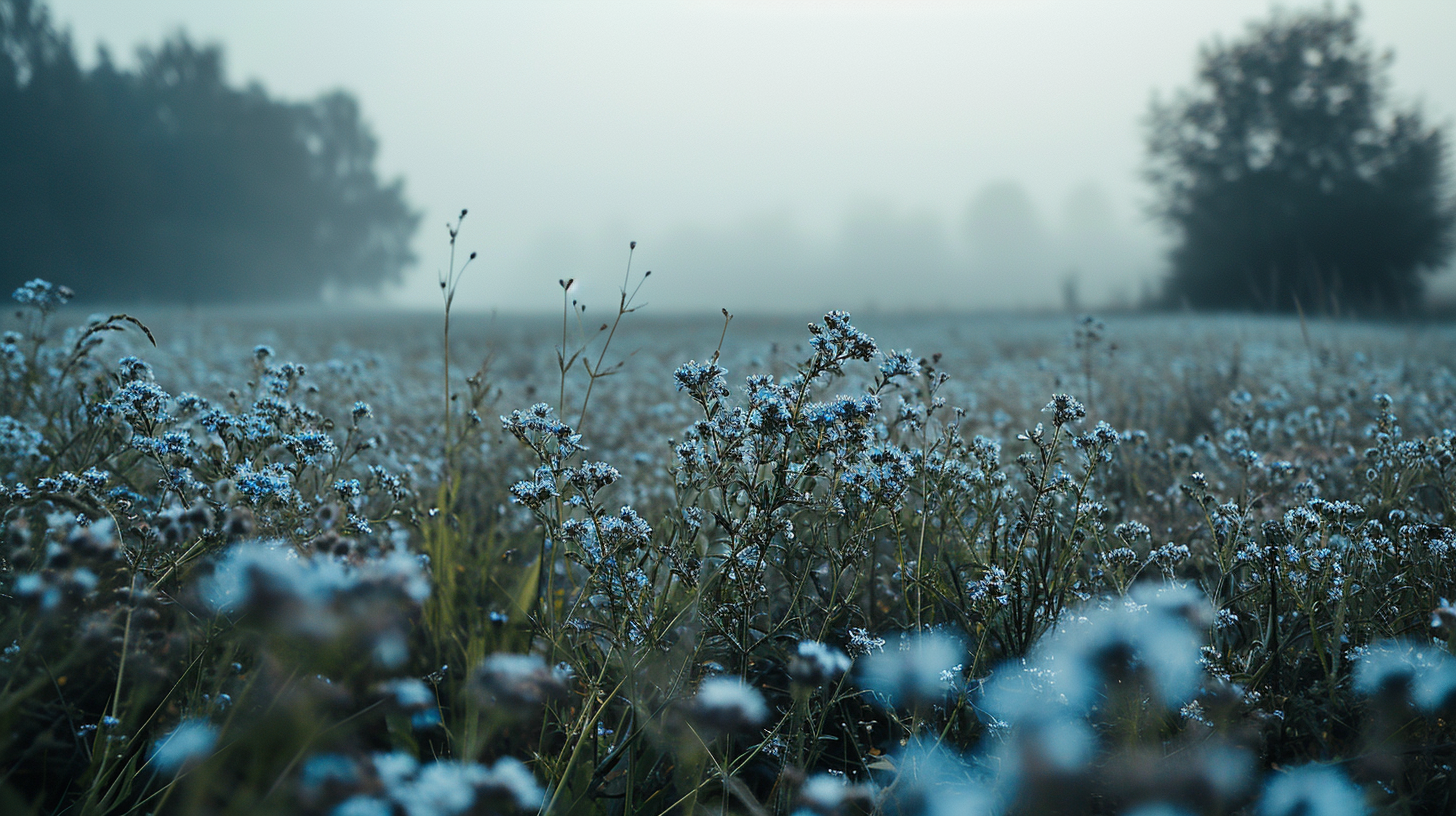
934	781
1312	790
925	669
828	795
1399	674
322	598
815	664
1150	642
397	783
188	744
517	681
729	704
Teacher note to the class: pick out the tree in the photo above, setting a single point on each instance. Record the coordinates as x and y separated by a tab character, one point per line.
167	183
1290	181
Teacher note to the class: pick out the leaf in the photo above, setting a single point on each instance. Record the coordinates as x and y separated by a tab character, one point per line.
525	595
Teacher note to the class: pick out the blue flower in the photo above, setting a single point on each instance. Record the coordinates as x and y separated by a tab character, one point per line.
187	744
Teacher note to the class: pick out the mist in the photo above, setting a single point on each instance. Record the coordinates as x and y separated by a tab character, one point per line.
897	156
999	252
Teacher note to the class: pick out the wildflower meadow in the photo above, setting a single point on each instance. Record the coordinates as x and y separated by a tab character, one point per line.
384	565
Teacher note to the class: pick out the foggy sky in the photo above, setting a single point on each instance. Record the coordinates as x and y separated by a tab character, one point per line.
790	155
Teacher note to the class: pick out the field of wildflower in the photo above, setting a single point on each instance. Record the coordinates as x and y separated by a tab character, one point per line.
360	564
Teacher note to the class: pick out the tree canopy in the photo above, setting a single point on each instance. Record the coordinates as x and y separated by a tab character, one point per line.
1290	180
166	183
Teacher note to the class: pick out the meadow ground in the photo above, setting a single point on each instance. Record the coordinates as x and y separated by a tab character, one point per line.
1171	563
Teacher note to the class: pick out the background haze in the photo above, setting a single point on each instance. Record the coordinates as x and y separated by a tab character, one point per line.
904	156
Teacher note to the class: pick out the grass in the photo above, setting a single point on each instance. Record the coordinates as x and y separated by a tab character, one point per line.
925	582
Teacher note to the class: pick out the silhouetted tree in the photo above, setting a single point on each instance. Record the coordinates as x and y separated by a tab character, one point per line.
165	183
1290	181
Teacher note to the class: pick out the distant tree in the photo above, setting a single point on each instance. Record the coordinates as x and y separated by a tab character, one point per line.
165	183
1289	180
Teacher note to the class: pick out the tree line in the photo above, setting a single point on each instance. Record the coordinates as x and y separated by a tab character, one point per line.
166	183
1287	178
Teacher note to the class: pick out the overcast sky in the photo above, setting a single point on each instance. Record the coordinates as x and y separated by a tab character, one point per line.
793	155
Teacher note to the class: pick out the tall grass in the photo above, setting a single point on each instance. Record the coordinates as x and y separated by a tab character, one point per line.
829	591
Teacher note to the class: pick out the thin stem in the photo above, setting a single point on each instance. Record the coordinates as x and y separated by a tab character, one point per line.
624	306
561	352
449	281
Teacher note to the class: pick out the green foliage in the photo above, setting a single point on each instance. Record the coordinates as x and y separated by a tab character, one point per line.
167	183
1291	183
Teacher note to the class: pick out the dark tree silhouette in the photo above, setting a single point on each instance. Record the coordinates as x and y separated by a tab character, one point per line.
1290	181
165	183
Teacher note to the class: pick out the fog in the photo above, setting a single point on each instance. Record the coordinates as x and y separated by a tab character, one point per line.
998	252
783	156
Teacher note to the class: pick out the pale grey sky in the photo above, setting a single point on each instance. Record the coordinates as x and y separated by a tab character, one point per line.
787	154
